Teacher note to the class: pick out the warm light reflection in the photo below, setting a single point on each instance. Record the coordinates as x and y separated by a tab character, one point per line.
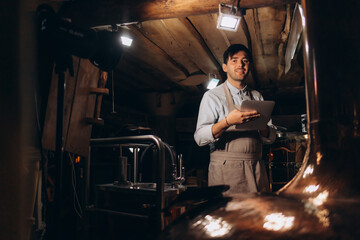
278	221
311	188
320	199
316	93
312	207
309	170
306	136
323	216
306	48
214	227
318	157
303	20
233	206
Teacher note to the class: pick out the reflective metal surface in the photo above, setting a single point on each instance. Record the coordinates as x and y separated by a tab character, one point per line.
246	216
323	200
332	162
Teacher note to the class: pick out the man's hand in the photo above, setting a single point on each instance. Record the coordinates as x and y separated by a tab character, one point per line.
234	117
238	117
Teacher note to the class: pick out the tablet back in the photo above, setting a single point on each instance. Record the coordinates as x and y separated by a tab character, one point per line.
265	109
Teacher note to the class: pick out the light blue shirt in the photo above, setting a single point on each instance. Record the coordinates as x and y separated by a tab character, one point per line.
213	108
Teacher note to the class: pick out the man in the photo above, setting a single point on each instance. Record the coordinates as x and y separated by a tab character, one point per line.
235	156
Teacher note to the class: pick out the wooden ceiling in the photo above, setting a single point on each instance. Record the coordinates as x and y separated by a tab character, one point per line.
177	45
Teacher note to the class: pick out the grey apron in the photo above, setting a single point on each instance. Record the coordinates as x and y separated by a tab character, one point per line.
237	159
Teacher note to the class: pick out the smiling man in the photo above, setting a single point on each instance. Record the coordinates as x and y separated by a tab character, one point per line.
235	156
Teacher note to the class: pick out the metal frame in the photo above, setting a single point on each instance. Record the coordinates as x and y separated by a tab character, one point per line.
160	202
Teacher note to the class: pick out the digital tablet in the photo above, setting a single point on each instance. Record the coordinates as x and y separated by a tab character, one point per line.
265	109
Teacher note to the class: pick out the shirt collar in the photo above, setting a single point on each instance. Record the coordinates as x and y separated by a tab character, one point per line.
234	90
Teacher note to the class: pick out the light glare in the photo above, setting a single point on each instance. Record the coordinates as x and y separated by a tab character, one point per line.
278	221
311	188
228	22
213	83
126	41
214	227
320	199
308	171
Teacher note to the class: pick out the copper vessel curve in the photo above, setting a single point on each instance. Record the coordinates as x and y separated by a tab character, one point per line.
323	199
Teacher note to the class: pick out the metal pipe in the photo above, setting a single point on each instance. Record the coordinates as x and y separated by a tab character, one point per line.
135	166
181	166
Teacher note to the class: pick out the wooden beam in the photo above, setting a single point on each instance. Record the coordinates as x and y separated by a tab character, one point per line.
144	72
245	28
125	81
105	12
200	39
142	35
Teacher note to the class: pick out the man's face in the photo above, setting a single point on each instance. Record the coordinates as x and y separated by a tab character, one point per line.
237	67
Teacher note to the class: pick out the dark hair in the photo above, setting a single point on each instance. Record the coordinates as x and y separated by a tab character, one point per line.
235	48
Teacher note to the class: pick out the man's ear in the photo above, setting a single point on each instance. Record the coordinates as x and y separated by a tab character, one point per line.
224	67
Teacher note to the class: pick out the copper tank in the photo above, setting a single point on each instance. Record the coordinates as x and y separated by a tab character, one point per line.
323	200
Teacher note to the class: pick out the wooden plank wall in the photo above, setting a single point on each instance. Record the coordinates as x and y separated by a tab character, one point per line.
79	104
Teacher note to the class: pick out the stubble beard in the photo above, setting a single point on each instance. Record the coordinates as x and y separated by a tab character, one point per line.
239	79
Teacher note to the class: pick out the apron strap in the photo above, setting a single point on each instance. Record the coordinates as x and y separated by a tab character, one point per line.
229	99
251	95
230	103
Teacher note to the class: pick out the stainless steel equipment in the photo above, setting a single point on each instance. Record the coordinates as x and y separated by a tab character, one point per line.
127	199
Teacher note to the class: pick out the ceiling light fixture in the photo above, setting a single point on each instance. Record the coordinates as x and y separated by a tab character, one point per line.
213	81
125	40
228	19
